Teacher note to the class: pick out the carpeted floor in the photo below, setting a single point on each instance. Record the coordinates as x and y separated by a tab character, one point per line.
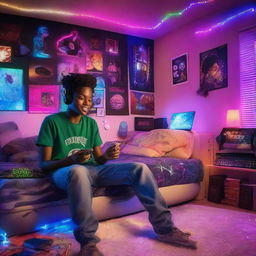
220	231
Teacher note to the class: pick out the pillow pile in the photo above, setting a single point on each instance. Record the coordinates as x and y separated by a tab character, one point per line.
13	147
161	142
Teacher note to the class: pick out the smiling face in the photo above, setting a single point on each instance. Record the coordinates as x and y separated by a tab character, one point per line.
82	101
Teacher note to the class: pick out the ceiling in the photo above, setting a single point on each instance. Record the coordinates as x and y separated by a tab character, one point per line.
131	17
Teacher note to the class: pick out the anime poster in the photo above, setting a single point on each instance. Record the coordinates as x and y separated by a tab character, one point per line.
70	65
94	62
99	98
213	70
42	71
111	46
5	53
142	103
180	69
117	101
71	44
12	94
44	98
141	64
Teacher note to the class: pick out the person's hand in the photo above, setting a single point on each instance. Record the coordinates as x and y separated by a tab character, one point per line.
81	156
113	151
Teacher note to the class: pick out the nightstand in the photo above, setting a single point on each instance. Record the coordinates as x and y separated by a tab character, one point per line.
243	174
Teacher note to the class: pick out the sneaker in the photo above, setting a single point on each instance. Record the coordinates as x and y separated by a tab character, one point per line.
90	250
178	238
184	233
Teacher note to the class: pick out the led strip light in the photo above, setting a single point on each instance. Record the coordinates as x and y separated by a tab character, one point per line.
70	14
222	23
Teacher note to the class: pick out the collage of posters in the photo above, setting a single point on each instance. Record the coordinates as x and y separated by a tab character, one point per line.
36	54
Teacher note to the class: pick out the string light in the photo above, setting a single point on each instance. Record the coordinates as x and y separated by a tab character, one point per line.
219	24
84	15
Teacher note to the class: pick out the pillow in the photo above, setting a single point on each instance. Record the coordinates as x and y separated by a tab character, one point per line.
20	145
140	151
8	136
162	140
8	131
8	126
24	156
181	152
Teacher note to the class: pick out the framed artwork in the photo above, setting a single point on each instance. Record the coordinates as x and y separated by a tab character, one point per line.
112	46
12	93
44	98
5	53
117	101
100	111
70	44
140	54
70	65
94	62
180	69
98	98
42	71
143	123
142	103
213	70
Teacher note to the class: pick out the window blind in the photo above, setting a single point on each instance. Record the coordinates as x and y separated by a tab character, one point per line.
247	40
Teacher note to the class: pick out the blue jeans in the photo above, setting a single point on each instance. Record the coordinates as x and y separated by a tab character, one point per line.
78	180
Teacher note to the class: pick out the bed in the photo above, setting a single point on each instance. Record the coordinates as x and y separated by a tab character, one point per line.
29	200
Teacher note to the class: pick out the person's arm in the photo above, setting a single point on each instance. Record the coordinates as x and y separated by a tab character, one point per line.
49	165
112	152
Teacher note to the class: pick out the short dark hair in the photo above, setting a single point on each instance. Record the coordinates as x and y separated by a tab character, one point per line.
73	81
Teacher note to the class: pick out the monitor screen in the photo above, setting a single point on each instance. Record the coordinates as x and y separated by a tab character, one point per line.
182	121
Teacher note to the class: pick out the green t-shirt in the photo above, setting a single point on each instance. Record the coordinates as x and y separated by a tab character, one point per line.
66	137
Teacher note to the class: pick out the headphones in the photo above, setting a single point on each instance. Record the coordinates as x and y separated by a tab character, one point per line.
68	97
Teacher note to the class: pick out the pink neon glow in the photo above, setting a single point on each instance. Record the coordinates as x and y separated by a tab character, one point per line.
66	13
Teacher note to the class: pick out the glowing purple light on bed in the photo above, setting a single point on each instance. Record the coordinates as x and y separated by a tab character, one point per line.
220	24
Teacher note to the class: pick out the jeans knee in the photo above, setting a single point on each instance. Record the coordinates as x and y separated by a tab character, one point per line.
79	173
142	169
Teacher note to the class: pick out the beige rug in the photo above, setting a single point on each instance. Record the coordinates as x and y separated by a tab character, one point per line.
220	231
224	231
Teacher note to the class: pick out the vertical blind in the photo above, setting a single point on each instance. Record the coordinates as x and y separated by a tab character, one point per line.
248	77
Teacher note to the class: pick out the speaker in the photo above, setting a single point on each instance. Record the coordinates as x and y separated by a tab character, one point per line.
247	199
216	188
160	123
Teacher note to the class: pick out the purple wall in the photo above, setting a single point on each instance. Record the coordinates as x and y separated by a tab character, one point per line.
210	110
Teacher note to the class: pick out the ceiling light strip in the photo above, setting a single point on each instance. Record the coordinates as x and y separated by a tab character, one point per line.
66	13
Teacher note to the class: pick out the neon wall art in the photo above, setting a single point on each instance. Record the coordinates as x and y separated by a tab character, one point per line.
12	93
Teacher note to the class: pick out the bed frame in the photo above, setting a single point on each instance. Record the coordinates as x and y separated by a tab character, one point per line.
30	218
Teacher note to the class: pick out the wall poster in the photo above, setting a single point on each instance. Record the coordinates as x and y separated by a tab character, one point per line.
213	70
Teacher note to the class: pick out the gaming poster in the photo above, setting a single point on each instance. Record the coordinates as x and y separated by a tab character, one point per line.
180	69
117	103
141	64
142	103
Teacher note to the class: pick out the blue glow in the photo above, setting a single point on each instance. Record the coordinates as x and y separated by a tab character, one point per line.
12	95
4	239
182	121
63	226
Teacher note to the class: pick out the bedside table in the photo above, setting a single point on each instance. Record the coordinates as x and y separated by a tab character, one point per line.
246	174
